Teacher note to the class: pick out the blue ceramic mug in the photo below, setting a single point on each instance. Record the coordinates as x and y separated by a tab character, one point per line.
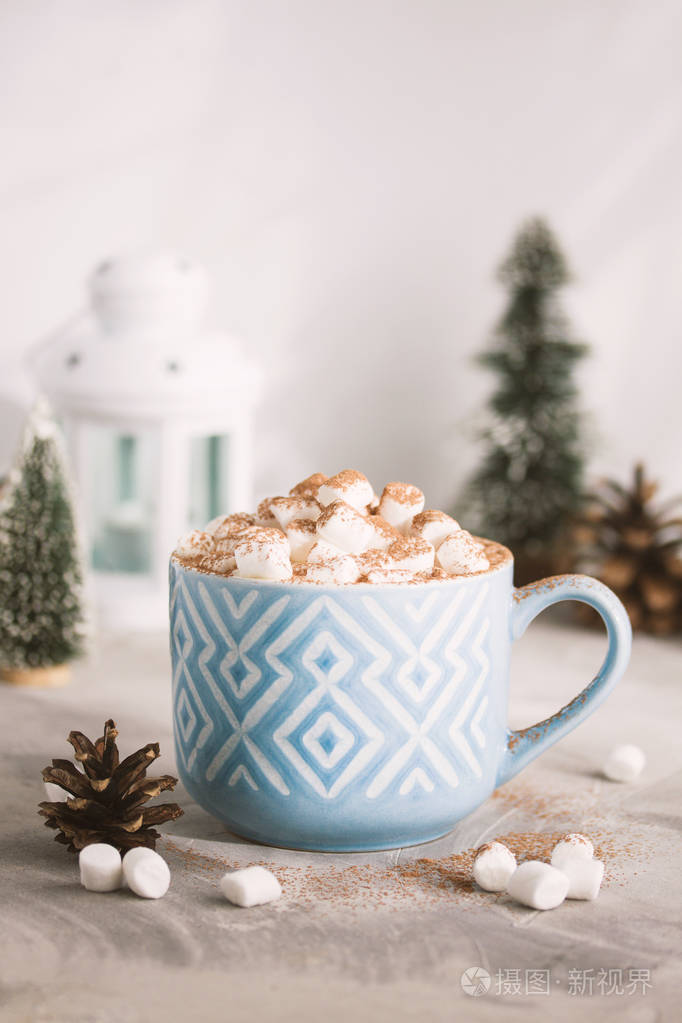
360	717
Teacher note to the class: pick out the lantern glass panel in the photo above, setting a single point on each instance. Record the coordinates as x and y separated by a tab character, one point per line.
121	497
208	478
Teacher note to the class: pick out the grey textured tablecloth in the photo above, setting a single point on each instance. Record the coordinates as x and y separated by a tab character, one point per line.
366	937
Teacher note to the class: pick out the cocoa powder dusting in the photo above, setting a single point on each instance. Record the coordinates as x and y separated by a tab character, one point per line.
403	493
346	479
348	497
233	524
384	528
425	880
307	526
309	486
496	554
430	515
551	812
264	513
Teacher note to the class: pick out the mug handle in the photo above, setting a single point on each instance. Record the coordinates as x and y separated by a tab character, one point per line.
528	601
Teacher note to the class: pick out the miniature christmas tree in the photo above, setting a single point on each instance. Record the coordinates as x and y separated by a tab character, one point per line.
41	615
529	484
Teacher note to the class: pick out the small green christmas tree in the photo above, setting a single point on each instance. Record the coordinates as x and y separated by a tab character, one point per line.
530	482
41	614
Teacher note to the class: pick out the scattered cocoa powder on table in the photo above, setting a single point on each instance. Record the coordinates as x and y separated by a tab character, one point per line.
553	810
424	881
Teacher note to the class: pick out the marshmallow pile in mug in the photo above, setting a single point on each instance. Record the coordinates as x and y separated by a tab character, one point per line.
336	530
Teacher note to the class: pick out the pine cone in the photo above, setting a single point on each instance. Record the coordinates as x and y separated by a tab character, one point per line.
107	797
636	549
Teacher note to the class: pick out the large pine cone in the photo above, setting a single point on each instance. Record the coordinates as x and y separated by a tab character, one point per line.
107	796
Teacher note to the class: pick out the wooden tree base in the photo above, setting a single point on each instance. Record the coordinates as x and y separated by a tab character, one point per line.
49	677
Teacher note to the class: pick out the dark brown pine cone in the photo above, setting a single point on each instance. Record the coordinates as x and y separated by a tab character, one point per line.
104	801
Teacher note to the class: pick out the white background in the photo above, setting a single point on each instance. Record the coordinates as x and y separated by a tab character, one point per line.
351	173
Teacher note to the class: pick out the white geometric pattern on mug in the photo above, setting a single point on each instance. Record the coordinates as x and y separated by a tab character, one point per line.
284	676
418	743
185	716
457	737
343	740
240	729
419	738
237	653
241	772
343	737
356	726
417	651
188	705
421	612
185	694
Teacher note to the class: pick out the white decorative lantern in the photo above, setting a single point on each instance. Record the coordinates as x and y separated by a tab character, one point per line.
157	413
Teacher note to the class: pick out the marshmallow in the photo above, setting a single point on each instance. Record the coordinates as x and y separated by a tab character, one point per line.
323	551
146	873
264	516
584	878
624	763
392	576
230	525
399	503
493	867
439	573
460	554
342	525
286	509
341	571
412	553
323	518
349	486
251	886
571	847
428	577
100	868
221	564
433	526
309	486
194	543
538	885
373	558
225	545
301	536
384	533
263	555
221	560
